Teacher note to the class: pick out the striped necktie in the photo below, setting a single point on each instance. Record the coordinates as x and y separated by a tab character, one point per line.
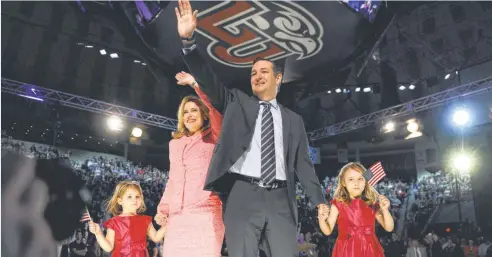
268	166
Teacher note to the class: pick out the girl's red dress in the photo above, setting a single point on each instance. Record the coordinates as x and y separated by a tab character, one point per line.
130	235
356	230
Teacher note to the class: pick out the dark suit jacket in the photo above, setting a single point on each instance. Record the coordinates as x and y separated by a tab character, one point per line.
240	112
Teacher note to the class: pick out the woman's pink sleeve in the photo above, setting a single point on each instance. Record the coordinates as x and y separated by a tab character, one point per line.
215	116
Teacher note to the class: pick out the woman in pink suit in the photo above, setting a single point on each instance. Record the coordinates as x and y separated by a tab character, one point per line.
194	224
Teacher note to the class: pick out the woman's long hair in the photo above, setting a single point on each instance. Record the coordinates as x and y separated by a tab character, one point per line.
204	112
114	208
369	194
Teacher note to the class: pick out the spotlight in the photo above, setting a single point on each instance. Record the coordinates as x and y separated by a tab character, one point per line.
329	92
338	90
367	89
115	123
462	162
447	76
411	87
137	132
136	61
412	126
89	46
346	91
461	117
114	55
357	89
389	127
402	87
103	52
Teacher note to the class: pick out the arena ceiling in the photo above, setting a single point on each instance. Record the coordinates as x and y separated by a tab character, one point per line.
323	46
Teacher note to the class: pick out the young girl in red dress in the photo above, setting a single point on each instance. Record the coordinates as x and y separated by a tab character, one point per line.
355	207
127	231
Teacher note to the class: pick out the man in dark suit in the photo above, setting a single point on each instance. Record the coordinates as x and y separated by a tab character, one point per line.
262	147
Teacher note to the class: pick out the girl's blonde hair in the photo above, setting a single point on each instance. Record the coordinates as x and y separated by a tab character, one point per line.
182	130
114	207
369	194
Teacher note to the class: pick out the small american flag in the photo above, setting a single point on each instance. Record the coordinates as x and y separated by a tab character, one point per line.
374	174
85	216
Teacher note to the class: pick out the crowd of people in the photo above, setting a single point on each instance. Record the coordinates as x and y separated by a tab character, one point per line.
432	191
467	240
424	239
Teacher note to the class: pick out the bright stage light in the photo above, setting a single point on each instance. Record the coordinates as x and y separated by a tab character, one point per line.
462	162
389	127
115	123
461	117
338	90
412	126
137	132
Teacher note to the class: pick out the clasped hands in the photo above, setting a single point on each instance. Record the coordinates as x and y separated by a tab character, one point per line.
160	219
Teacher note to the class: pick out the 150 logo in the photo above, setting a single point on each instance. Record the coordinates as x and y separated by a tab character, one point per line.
242	31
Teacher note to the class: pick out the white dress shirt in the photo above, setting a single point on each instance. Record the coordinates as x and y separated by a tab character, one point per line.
249	164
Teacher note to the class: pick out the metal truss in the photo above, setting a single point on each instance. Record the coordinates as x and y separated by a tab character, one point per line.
414	106
86	104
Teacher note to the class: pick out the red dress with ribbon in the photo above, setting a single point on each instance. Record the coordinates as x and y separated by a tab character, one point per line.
356	230
130	239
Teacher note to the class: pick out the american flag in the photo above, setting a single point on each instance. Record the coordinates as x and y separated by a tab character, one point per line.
85	216
374	174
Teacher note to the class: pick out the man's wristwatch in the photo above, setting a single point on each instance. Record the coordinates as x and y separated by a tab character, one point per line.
193	85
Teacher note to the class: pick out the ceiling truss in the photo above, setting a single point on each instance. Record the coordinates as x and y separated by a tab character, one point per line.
86	104
414	106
